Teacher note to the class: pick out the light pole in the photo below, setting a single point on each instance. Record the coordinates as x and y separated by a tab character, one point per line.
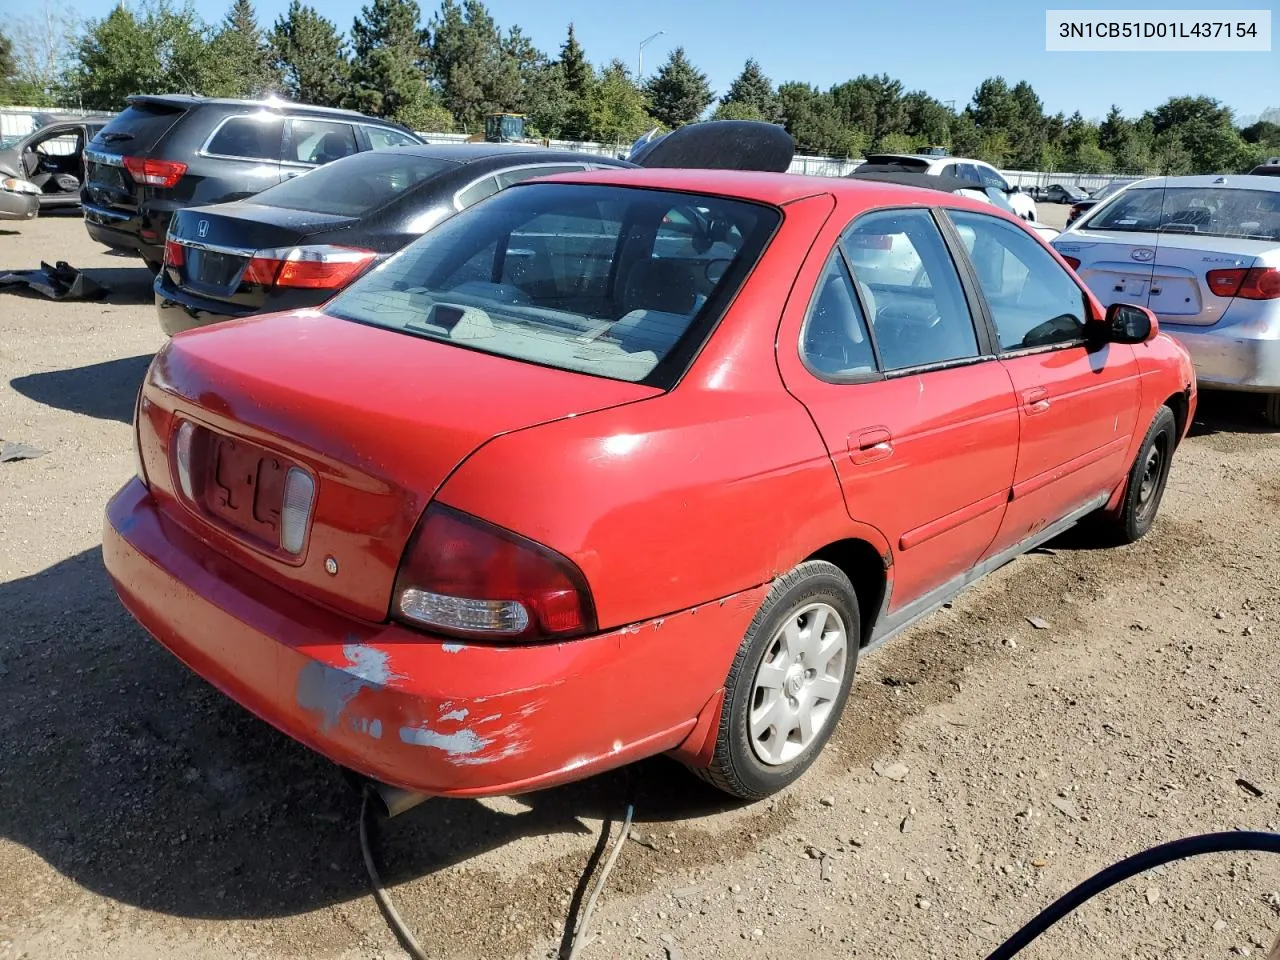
640	63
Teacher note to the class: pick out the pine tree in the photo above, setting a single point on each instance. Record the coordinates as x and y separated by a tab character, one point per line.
750	96
311	57
390	64
473	68
678	93
241	56
7	68
579	80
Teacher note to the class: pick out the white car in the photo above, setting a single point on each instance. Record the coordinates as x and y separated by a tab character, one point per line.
962	168
1203	253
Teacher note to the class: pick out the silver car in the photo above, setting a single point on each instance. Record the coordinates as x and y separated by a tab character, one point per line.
1204	254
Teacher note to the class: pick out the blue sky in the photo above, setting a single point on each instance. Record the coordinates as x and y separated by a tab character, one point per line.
943	47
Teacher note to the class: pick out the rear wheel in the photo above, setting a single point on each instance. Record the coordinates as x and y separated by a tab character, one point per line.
1147	479
788	684
1271	410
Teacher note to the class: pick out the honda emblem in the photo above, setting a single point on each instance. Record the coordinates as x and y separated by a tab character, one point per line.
202	229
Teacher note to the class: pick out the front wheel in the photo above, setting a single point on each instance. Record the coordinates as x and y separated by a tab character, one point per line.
1147	479
788	684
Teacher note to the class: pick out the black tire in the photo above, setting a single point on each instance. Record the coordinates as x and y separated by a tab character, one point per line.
735	767
1148	476
1271	410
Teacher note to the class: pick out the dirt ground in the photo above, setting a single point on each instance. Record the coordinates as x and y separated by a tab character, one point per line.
143	815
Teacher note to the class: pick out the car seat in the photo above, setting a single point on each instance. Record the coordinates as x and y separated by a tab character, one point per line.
658	301
332	146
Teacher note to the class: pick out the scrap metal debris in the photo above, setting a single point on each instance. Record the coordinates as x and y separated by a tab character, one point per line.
11	452
58	282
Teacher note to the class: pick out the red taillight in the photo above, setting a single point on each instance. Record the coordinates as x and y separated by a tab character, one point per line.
321	267
1072	262
1255	283
174	254
155	173
465	577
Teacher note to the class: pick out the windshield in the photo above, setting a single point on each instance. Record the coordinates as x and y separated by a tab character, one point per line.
613	281
1207	211
353	186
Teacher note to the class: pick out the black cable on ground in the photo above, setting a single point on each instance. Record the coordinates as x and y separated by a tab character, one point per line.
394	920
1234	841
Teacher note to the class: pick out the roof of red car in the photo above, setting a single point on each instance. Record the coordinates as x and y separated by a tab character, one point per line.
772	188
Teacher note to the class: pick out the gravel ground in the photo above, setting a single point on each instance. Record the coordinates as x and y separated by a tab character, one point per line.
144	815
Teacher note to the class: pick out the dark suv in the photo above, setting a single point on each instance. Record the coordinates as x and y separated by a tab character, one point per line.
164	153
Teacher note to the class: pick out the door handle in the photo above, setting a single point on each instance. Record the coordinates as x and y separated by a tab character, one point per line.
1036	400
868	446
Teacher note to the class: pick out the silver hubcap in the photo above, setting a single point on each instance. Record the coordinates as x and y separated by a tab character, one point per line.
797	683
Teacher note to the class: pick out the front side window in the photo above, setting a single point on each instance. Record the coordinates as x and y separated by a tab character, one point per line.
1033	301
912	292
563	275
248	138
321	141
380	138
989	177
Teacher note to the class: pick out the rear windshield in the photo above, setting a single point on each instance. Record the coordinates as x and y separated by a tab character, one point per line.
139	127
353	186
613	281
1207	211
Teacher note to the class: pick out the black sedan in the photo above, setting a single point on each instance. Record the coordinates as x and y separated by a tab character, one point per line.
296	244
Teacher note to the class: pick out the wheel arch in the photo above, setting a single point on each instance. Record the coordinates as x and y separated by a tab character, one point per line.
868	571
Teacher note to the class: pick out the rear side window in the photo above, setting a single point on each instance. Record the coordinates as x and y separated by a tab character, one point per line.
356	186
563	275
912	292
835	341
380	138
249	137
320	141
139	127
509	178
1033	301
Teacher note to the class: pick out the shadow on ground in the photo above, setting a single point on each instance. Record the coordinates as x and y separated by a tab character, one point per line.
124	770
1220	412
104	390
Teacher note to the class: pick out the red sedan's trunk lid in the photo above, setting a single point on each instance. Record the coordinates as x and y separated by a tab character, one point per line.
379	419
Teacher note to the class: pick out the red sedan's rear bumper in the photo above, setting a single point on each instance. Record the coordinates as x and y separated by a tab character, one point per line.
412	710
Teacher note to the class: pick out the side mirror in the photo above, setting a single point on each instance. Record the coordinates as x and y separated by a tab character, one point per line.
1129	323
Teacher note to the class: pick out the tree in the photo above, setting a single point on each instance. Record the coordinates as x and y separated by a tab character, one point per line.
751	96
546	101
810	117
162	50
1203	129
7	69
872	105
1028	136
390	64
311	57
477	71
927	120
578	79
678	93
43	49
241	55
1264	132
618	113
994	108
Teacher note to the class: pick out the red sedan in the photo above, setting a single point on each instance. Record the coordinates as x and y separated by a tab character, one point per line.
629	462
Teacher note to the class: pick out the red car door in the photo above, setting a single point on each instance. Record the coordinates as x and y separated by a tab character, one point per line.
917	414
1077	405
